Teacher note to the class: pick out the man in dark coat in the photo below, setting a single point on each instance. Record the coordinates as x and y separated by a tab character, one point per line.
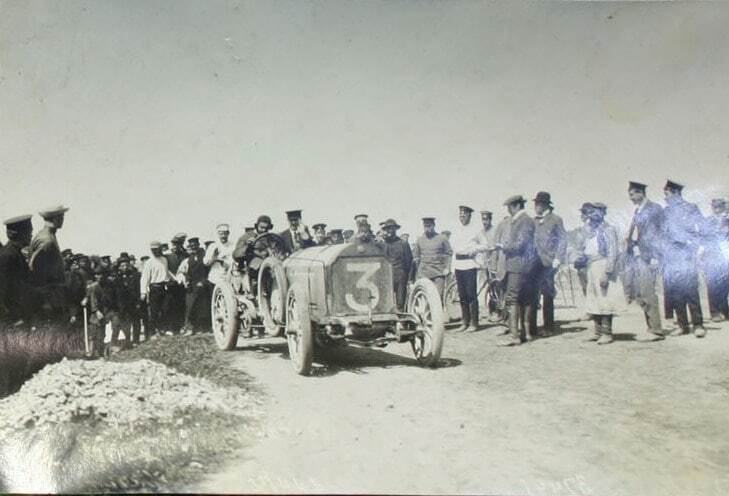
297	236
400	256
682	230
521	260
175	299
128	298
18	298
46	264
550	239
715	261
644	242
193	275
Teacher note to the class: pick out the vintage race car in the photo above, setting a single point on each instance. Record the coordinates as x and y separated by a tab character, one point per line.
326	296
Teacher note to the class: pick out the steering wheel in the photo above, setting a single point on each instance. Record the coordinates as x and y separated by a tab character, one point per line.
266	245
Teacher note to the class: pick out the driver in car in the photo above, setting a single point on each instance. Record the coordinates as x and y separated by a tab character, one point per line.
250	253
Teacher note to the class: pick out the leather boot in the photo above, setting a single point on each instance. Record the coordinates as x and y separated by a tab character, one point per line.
597	330
606	333
514	334
473	326
547	315
530	321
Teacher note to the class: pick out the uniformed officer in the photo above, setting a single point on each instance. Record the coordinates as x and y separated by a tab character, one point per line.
431	255
715	261
297	236
682	238
18	298
46	264
521	260
400	256
550	239
644	240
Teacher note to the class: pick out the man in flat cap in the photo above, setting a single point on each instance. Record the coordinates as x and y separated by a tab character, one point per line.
46	264
715	260
175	303
521	260
153	288
550	239
400	256
193	275
644	242
297	236
682	239
320	233
431	255
18	298
219	255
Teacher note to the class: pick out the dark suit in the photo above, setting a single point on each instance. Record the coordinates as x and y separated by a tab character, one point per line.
683	222
289	240
174	312
550	239
644	244
18	298
521	260
400	256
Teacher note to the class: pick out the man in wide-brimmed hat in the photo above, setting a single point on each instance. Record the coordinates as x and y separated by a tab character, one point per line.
550	239
400	256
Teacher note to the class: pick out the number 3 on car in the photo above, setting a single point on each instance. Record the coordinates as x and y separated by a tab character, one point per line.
368	270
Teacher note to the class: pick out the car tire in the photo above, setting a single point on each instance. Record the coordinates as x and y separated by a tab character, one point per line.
272	290
224	314
425	304
299	332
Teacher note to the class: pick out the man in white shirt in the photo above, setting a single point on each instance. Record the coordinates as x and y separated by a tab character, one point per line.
219	255
464	241
153	287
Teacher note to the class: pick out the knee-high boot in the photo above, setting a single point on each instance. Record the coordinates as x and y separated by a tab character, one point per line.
606	333
514	338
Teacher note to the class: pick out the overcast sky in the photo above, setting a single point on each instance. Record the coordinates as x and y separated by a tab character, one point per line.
151	117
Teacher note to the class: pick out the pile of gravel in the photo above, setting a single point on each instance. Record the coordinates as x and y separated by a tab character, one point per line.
113	392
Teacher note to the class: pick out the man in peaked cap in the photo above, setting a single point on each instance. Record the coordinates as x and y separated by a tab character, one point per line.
715	261
320	233
193	276
400	256
643	243
485	258
465	243
432	255
297	236
520	259
18	298
550	239
175	304
335	237
682	239
363	231
46	264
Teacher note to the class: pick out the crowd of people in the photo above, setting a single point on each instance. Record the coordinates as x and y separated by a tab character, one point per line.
168	291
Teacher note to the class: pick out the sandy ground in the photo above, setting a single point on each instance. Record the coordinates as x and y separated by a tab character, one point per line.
559	416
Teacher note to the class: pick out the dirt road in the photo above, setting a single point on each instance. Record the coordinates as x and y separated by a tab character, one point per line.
556	417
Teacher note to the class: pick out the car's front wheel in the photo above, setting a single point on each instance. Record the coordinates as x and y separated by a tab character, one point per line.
425	305
299	333
224	311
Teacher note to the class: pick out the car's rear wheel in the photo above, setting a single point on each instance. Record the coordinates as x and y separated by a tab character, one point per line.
224	310
425	305
272	295
299	334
